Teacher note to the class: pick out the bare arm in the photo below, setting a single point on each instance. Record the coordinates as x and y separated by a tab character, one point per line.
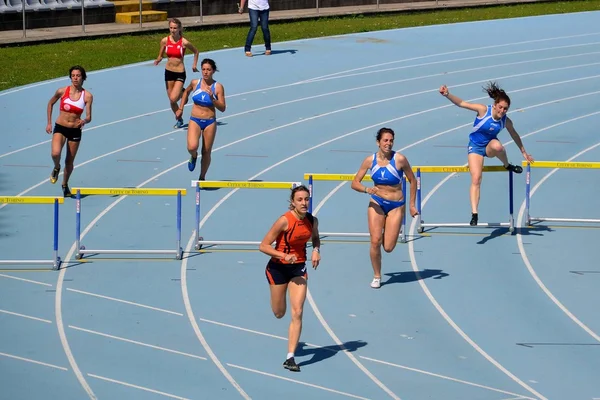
219	100
185	96
163	44
410	177
480	109
266	245
356	182
316	244
89	99
517	139
188	45
241	6
57	95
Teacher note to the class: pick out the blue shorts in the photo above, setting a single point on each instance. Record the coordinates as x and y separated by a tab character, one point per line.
203	123
477	149
387	205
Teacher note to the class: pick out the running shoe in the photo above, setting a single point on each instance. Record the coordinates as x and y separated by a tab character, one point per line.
376	283
66	191
291	365
54	175
474	219
192	163
179	124
517	169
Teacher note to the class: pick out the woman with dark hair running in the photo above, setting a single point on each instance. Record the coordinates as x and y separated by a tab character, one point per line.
174	47
208	96
74	100
483	142
386	207
286	270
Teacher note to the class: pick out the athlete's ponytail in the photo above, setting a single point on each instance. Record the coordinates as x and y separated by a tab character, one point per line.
494	91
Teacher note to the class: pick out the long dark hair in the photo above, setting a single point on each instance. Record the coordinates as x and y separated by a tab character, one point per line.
495	92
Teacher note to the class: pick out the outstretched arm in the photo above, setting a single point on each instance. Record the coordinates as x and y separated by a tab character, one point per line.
517	139
480	109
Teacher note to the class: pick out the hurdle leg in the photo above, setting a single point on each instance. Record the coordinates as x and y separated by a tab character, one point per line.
56	257
527	195
419	220
179	254
198	246
511	222
310	194
403	222
78	245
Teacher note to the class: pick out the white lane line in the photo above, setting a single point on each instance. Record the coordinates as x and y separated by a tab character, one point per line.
25	280
137	342
420	371
297	381
525	258
125	302
25	316
33	361
145	389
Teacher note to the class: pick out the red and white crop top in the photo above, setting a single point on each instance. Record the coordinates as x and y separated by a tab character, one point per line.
175	49
72	106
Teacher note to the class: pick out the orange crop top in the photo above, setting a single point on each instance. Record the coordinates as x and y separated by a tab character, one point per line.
293	240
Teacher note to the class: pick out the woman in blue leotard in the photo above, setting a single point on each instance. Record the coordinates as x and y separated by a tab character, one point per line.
386	207
483	142
208	96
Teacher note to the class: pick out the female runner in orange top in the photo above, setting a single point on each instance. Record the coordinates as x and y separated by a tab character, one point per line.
287	266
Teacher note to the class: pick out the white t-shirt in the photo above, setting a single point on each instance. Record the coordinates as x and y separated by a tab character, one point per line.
258	4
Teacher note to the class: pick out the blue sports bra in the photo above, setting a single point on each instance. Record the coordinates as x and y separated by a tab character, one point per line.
387	175
201	98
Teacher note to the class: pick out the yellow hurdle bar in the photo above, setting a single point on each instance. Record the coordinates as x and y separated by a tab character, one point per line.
30	200
244	185
563	164
424	169
129	191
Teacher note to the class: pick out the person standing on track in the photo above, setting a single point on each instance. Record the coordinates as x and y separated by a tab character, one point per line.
286	270
74	100
258	10
483	141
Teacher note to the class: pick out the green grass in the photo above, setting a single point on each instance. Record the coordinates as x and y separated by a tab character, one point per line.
32	63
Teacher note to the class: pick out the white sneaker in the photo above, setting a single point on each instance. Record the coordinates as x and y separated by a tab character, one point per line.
376	283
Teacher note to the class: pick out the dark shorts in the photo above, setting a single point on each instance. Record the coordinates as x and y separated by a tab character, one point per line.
279	274
172	76
72	134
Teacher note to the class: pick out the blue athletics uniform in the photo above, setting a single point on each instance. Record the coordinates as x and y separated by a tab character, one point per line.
387	175
485	129
201	98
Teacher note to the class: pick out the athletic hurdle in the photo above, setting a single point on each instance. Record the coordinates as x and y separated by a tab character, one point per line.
55	262
312	177
421	225
81	250
557	165
199	185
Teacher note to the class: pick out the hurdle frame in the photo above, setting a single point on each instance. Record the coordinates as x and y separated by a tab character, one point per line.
349	177
55	261
556	165
81	249
199	185
421	225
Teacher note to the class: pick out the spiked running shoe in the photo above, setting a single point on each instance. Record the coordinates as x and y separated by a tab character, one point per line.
291	365
517	169
66	191
474	219
192	163
54	175
179	124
